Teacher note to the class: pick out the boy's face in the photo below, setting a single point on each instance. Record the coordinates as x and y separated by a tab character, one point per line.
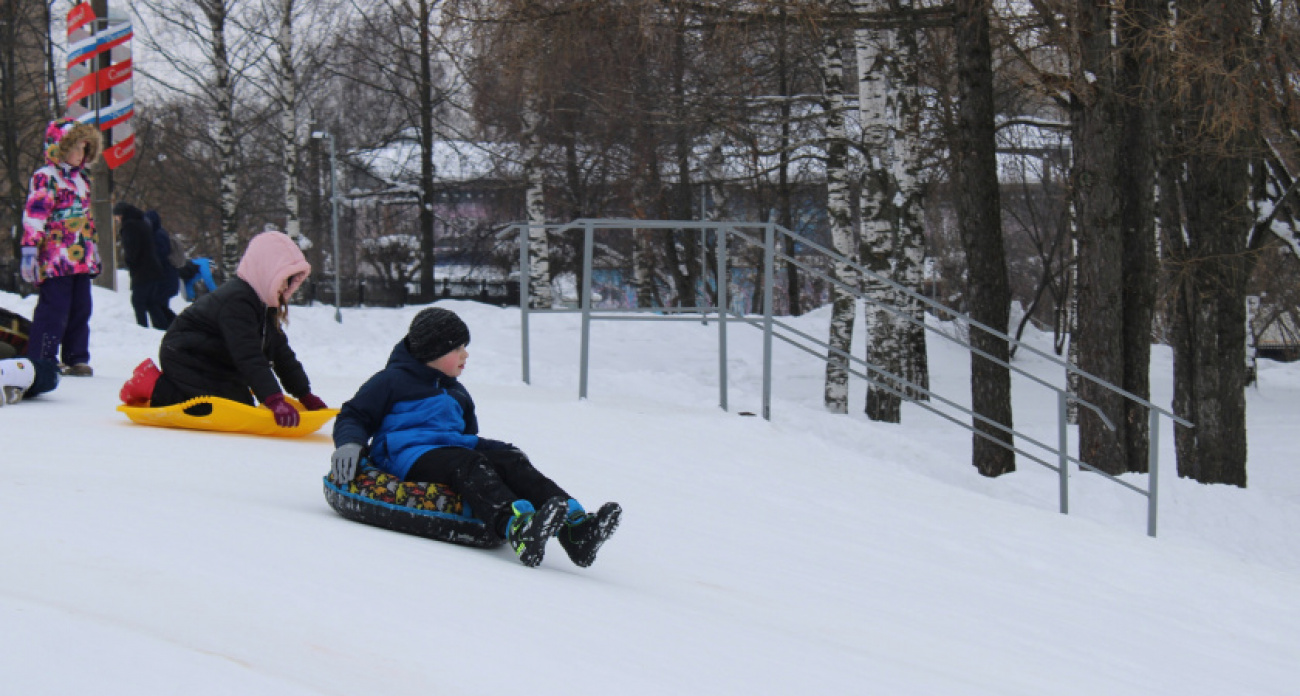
451	364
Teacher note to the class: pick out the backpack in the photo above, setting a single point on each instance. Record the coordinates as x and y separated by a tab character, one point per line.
177	257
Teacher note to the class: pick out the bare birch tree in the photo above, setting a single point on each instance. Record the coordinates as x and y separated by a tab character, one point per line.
224	54
840	215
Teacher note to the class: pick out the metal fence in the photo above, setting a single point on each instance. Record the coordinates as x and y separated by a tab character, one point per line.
372	292
721	235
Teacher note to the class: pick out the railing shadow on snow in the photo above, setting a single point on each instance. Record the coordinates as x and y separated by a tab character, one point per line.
765	236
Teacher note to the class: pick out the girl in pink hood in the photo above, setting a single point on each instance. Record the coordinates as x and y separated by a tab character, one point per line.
231	342
60	255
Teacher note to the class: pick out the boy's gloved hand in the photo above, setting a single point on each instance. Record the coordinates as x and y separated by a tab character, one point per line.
28	267
286	416
311	402
343	465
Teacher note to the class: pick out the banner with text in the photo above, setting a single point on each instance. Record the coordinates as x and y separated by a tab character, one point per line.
99	90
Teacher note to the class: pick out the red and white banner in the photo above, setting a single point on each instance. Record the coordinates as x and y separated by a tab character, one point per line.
118	153
100	91
80	16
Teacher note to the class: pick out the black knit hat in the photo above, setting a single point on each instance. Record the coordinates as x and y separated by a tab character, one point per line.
126	210
434	333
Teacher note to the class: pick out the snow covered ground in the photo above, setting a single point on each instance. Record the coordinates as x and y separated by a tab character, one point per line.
813	554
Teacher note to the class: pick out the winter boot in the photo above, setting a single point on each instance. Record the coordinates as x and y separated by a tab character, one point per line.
528	530
16	376
79	370
139	388
583	533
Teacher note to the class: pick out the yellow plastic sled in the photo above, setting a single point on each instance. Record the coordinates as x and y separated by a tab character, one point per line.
230	417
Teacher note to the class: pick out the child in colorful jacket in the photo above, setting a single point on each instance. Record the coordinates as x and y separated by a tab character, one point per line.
231	341
60	253
418	423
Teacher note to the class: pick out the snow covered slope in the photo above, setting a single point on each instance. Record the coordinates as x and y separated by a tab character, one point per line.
813	554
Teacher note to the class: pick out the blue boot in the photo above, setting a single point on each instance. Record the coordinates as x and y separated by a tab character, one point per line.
583	532
528	530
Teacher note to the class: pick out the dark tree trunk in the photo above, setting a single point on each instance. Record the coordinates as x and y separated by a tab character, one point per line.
784	215
1209	250
1137	220
979	220
1096	191
427	242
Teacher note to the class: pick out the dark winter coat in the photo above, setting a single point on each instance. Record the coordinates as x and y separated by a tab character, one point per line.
406	410
225	343
162	246
138	252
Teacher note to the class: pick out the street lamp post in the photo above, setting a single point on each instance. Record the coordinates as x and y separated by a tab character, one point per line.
334	221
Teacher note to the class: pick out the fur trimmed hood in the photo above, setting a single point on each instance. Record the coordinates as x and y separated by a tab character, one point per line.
63	134
271	258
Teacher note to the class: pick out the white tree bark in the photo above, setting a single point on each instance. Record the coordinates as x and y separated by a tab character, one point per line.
218	13
877	88
288	97
716	176
539	254
909	259
840	215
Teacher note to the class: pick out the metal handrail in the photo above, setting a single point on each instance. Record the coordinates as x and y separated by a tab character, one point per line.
769	324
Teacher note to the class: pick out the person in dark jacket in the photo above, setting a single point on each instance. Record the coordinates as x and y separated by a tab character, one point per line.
170	285
418	423
143	265
231	341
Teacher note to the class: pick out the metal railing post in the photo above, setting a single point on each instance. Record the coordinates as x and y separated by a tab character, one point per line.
1153	472
588	244
774	329
769	283
1062	449
525	294
723	302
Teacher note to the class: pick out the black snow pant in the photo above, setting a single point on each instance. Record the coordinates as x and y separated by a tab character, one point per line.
488	481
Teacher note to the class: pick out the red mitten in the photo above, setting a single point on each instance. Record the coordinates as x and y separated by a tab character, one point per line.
286	416
312	402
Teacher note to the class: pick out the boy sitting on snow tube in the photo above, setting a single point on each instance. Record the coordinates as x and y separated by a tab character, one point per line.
418	423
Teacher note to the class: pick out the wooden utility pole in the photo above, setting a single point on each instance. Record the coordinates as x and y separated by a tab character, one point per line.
101	184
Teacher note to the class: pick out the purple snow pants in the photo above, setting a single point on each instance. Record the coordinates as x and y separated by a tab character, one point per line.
62	318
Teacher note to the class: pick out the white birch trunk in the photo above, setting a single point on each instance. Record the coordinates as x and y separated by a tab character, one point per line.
909	258
876	89
643	247
289	118
224	94
1072	321
539	252
840	215
1252	353
718	191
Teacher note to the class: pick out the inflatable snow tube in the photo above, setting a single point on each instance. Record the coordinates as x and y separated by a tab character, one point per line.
228	416
429	510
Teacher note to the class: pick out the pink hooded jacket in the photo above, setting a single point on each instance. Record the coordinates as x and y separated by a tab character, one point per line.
270	258
57	221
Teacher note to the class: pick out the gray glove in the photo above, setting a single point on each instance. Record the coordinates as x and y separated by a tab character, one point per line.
343	465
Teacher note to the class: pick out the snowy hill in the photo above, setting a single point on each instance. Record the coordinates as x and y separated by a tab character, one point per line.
813	554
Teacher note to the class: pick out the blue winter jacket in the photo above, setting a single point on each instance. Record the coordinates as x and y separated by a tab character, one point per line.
407	409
